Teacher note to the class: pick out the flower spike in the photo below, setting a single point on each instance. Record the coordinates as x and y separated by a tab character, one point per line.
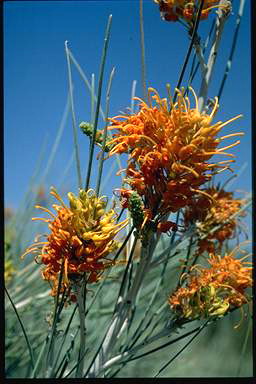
81	237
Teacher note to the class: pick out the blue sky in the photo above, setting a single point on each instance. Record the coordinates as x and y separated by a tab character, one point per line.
36	81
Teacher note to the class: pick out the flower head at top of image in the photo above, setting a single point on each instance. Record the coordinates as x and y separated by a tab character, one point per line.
169	148
208	214
216	290
81	239
174	10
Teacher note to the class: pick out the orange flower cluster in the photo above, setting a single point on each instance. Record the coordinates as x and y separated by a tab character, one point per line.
81	237
168	151
173	10
207	214
213	291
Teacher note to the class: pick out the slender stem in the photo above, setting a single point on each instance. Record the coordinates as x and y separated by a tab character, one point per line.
41	354
63	341
101	344
78	169
125	304
193	71
194	34
132	95
79	289
201	59
124	243
142	46
84	78
182	349
220	21
186	261
91	89
137	334
104	133
130	244
57	310
125	274
103	60
245	342
120	214
129	354
74	367
32	360
229	62
161	346
92	107
92	98
146	256
66	358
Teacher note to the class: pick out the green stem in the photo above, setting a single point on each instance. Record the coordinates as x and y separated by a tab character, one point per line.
193	70
132	95
63	341
23	330
229	62
92	98
194	34
104	133
79	289
124	279
181	350
206	79
106	40
40	356
248	331
57	311
79	177
84	78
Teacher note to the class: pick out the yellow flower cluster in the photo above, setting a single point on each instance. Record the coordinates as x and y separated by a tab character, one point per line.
81	237
213	291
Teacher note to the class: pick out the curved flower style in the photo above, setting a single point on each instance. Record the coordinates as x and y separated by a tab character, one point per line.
207	214
168	151
213	291
80	240
173	10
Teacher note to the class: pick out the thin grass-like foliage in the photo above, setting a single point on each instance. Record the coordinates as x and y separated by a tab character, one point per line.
140	280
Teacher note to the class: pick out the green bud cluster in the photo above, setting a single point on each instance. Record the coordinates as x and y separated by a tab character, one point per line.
87	129
135	206
206	302
87	203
